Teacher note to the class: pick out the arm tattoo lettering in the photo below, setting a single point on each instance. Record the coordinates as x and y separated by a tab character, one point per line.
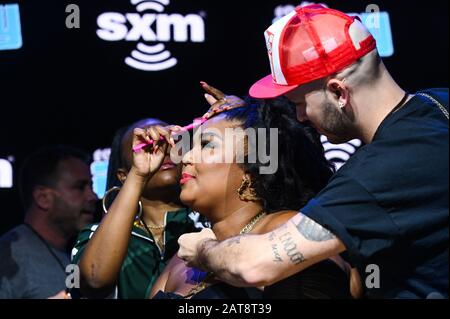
276	253
234	241
290	247
272	236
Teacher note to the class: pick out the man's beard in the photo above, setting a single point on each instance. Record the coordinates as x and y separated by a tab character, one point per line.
66	218
336	126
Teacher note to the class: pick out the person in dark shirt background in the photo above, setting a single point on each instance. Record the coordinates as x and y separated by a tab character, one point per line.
56	190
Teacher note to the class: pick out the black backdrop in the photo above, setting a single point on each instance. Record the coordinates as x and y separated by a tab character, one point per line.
68	86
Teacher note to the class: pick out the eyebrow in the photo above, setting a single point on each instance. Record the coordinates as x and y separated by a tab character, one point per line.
208	134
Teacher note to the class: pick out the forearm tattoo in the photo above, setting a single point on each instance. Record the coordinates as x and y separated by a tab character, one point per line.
234	241
313	231
290	247
272	236
203	258
276	254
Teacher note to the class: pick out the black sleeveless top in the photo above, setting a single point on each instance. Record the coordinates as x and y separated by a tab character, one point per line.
324	280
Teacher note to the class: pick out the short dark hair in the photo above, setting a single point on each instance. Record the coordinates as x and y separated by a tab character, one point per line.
41	169
303	170
116	159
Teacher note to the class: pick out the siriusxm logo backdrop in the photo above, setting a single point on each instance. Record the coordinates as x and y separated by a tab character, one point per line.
378	23
341	153
10	28
150	27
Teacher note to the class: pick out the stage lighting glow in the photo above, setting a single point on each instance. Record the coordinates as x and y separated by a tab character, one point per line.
99	171
10	27
6	174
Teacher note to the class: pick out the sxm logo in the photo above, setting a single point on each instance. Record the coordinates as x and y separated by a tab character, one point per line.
378	22
151	28
6	173
10	28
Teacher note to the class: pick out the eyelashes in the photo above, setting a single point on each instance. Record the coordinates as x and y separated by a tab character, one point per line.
207	144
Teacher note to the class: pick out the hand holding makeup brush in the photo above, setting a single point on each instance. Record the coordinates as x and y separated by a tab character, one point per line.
148	160
219	103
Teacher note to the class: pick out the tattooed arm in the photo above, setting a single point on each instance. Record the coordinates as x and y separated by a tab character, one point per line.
261	260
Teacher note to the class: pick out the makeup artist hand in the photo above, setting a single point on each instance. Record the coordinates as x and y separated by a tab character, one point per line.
148	161
219	101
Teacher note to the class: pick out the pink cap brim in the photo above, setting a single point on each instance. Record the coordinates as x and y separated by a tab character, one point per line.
267	89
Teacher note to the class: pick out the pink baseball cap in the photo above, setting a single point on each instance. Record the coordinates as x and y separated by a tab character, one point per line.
308	44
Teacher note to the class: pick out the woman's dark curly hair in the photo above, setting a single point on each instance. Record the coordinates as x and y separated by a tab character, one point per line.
303	170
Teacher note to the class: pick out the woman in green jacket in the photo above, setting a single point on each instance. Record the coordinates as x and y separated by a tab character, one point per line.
123	255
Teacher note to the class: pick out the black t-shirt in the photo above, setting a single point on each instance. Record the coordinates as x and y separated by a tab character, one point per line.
390	203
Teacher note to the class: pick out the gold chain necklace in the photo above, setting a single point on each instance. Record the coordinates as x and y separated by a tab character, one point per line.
141	224
203	284
248	228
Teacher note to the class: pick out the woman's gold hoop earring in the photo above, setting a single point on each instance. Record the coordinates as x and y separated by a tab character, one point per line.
116	189
244	185
246	192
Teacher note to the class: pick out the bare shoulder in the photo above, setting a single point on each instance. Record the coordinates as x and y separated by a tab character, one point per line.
274	220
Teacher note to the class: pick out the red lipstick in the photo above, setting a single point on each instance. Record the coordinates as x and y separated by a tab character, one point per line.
185	177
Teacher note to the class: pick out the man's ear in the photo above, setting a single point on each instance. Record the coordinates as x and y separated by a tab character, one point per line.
340	91
43	197
122	175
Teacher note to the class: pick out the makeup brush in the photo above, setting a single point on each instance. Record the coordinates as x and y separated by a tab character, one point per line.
197	123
